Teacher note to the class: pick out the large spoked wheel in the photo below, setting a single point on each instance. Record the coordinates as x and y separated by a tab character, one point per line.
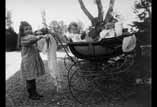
91	83
82	87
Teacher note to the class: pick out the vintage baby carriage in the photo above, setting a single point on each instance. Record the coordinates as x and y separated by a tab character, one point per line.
95	69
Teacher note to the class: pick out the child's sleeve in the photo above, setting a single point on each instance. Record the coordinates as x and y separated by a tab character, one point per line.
28	40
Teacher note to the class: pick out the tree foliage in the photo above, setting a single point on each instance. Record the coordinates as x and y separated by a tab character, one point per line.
11	39
144	14
10	35
8	19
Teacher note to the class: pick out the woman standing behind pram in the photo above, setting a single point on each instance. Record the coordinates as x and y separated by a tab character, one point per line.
32	65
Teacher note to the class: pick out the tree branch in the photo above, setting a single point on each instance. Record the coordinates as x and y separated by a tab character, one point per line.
109	12
86	11
100	10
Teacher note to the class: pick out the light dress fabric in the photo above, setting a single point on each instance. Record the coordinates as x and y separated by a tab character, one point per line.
107	33
74	37
32	65
119	28
50	47
129	43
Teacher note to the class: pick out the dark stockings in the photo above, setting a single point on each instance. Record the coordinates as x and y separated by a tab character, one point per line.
31	89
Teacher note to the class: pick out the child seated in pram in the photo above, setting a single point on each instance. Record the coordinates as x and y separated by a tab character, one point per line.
73	34
109	30
112	29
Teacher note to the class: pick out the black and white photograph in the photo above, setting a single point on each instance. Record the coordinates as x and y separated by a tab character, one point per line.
78	53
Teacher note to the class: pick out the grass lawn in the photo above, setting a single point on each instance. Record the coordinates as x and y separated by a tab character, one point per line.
16	95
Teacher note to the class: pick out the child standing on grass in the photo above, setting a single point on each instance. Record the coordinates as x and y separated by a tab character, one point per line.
32	65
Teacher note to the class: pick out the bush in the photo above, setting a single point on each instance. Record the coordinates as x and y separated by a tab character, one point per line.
11	40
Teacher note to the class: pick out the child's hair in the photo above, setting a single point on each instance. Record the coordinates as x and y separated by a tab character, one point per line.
72	24
23	24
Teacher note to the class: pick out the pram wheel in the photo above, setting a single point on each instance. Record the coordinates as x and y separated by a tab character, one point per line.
82	87
91	83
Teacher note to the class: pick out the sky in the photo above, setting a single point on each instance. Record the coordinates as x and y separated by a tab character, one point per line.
66	10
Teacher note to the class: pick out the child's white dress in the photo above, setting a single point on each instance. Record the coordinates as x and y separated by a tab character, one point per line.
107	33
74	37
